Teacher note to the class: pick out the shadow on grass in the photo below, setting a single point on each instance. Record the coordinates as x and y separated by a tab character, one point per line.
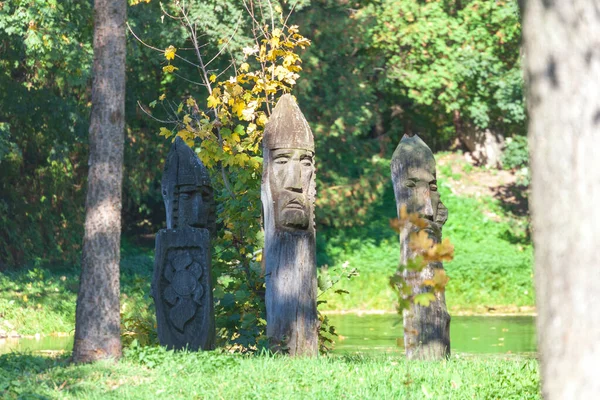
32	376
513	199
17	370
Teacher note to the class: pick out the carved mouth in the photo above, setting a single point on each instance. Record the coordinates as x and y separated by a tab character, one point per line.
295	204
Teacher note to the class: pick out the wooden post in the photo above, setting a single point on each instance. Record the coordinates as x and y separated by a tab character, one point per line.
182	284
426	329
288	194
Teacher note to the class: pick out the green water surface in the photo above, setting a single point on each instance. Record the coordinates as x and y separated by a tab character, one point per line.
376	334
477	334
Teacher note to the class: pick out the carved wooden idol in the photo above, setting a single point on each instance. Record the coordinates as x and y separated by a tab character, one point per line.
426	329
182	287
288	194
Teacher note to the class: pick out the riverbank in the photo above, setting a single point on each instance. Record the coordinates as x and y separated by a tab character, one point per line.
499	311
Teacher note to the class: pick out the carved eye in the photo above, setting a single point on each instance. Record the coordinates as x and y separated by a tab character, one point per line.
185	196
306	162
281	160
410	184
433	187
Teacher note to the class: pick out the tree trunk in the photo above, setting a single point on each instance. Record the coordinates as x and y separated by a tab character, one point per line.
97	327
562	54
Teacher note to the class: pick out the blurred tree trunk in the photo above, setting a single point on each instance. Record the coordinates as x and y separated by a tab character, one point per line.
562	58
97	329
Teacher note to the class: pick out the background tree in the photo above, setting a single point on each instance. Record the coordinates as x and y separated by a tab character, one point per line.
97	329
562	43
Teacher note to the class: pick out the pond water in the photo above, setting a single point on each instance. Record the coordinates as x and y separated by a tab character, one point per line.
377	334
43	344
476	334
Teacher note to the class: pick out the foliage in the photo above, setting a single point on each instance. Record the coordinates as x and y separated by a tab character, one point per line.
373	73
45	54
454	60
147	372
516	153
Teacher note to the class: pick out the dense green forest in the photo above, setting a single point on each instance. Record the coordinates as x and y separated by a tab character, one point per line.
375	70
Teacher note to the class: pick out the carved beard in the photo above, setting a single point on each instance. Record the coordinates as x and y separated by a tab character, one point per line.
291	210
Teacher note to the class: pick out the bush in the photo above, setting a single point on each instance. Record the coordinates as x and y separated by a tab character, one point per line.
516	153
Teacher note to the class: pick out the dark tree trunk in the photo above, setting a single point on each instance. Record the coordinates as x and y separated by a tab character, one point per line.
97	328
562	60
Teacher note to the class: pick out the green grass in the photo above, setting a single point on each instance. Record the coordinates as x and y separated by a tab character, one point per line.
492	267
42	300
146	373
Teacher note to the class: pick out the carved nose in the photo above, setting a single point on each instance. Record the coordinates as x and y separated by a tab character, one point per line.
293	180
426	208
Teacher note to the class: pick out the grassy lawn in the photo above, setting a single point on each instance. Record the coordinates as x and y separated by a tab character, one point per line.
150	372
42	300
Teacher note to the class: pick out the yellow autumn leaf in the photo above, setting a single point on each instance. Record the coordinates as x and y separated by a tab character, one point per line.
241	159
244	67
277	32
281	72
212	78
262	120
170	52
248	113
289	59
238	108
274	42
162	97
25	299
441	252
169	69
420	241
213	101
187	119
190	102
165	132
237	90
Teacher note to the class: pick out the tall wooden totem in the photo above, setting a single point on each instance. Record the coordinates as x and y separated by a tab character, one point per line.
181	286
426	329
288	195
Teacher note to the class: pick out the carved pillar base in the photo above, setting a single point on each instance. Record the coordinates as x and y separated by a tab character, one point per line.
427	329
182	289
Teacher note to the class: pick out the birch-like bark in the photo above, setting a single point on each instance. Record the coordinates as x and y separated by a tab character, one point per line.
562	65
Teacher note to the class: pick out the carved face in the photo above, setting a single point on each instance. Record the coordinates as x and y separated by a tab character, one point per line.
193	206
290	178
418	187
